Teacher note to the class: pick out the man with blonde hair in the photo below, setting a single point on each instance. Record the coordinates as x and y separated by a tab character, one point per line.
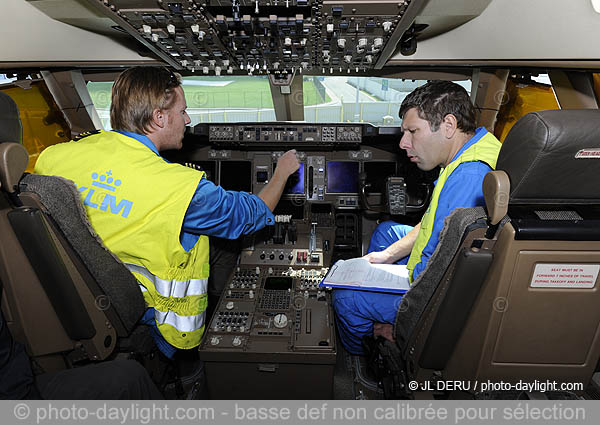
157	216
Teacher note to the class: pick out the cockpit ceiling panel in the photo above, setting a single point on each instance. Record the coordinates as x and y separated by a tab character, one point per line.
266	36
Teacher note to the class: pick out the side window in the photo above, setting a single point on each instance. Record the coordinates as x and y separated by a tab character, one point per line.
100	92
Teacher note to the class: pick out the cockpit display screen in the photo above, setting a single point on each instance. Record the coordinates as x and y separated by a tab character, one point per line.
342	177
278	282
236	175
295	182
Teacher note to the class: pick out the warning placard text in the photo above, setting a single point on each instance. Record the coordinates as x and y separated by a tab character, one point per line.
565	275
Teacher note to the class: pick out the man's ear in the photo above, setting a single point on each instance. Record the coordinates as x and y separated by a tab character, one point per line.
158	118
449	125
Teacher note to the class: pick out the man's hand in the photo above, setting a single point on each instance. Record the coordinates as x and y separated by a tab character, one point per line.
287	164
379	257
385	330
397	250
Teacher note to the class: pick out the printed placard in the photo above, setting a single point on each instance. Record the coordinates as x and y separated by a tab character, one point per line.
565	275
591	153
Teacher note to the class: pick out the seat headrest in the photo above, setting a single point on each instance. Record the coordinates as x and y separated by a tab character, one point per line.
13	156
11	129
13	162
553	157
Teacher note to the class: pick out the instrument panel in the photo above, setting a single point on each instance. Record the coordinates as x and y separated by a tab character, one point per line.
266	36
317	134
274	324
345	166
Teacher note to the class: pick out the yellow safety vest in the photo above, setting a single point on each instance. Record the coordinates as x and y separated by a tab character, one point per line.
485	150
136	202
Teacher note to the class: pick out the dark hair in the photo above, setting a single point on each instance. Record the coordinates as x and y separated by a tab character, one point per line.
137	92
436	99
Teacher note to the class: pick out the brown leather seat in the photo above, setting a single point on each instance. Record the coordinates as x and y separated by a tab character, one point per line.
517	300
65	296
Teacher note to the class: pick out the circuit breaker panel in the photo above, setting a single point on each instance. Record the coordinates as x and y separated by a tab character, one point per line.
266	36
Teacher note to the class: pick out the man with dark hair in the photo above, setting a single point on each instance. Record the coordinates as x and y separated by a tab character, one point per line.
438	121
156	216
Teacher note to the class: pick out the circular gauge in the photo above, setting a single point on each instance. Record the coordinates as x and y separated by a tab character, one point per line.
280	321
299	302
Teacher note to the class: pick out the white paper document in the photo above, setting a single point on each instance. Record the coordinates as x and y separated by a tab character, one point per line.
358	273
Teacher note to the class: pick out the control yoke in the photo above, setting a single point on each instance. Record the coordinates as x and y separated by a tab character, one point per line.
396	195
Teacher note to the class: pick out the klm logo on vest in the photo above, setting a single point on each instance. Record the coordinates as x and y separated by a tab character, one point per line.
105	201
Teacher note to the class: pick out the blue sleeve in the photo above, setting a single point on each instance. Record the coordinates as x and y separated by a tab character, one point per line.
215	211
463	189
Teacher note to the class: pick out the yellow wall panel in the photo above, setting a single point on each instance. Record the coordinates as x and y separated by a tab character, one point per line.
521	99
43	123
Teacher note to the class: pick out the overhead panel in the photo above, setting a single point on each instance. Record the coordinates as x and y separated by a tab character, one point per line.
265	36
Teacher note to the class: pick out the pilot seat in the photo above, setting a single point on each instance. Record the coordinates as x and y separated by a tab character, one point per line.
512	295
65	296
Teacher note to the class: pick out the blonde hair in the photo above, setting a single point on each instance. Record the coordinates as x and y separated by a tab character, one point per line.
137	92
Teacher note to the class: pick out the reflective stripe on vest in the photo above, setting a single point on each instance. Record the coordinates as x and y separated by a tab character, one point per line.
172	288
136	202
182	323
485	150
167	320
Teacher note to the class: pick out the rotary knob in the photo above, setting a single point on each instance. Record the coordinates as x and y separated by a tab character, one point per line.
280	321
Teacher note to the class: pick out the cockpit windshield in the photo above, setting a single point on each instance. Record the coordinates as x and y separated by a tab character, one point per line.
329	99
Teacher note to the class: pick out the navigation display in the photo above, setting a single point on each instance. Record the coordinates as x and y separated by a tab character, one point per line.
342	177
295	182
